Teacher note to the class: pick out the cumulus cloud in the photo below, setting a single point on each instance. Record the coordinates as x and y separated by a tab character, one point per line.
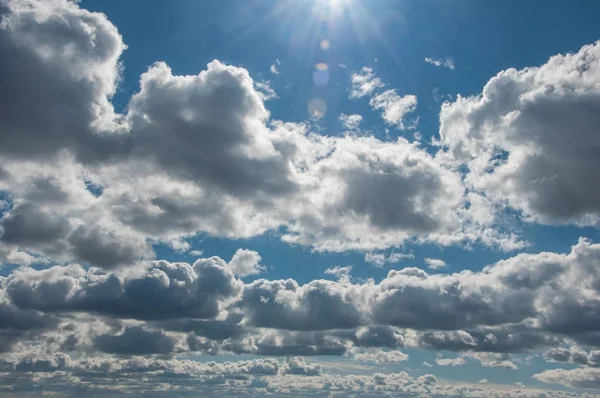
294	377
441	62
364	83
394	108
530	138
199	153
246	262
573	354
160	291
206	158
519	304
434	263
579	378
70	58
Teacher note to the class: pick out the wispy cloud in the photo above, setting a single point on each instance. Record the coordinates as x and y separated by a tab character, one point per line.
274	69
447	62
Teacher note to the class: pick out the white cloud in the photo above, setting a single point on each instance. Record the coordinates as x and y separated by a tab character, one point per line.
443	62
364	83
350	122
246	262
379	356
578	378
493	360
273	69
435	263
380	259
458	361
394	108
342	273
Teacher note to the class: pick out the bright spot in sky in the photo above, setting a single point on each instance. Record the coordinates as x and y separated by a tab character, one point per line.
317	107
325	44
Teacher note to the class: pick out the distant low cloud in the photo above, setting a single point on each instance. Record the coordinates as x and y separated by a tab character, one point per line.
442	62
435	263
450	361
380	259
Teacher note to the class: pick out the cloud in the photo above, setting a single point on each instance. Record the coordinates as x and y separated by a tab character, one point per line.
341	273
442	62
379	356
70	58
450	361
350	122
294	377
394	108
136	341
208	127
573	354
380	259
493	360
434	263
246	262
526	302
273	68
207	158
297	366
364	83
529	138
578	378
160	291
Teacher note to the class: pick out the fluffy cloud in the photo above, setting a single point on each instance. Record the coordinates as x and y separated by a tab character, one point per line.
246	262
160	291
394	108
206	158
530	138
573	354
60	67
580	377
520	304
435	263
364	83
350	122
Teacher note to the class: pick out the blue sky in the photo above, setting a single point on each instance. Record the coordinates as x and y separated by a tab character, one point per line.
172	205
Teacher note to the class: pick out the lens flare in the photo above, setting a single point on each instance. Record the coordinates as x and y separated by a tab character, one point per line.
317	107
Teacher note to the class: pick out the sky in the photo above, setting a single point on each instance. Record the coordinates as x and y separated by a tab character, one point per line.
284	198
